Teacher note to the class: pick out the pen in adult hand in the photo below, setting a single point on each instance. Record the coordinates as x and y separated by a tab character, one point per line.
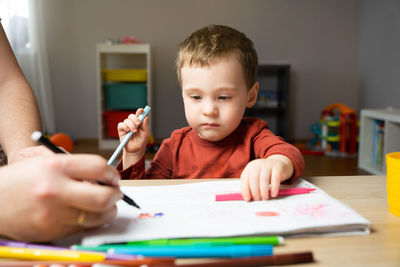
38	137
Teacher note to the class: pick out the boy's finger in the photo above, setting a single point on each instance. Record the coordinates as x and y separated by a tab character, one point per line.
134	118
139	111
244	186
254	185
275	182
145	123
122	127
130	124
265	176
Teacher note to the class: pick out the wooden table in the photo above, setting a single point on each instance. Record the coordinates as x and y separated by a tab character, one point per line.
367	196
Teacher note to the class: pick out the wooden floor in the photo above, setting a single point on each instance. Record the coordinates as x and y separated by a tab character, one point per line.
316	165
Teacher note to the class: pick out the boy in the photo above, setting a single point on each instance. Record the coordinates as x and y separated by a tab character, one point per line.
217	69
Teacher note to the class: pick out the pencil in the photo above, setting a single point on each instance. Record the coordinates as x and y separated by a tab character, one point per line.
277	259
38	137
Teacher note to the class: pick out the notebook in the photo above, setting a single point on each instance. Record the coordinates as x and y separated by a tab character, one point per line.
190	210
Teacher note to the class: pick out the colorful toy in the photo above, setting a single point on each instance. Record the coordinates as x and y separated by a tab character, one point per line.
62	140
336	134
152	146
130	39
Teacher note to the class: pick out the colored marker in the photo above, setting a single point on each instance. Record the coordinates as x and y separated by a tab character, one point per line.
278	259
38	137
223	241
138	261
200	251
127	137
282	192
50	254
240	240
18	244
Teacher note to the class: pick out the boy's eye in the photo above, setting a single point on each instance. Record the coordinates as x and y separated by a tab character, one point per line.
224	97
195	97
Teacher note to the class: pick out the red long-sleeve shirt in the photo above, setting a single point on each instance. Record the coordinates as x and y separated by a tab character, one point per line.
185	155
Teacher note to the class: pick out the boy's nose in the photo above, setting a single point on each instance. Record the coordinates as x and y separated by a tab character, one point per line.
209	108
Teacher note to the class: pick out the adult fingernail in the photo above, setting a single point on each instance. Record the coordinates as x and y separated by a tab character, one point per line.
112	177
115	180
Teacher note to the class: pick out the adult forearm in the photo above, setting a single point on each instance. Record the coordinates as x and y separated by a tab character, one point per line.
19	116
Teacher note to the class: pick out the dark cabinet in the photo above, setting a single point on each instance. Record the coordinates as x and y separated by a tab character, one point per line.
273	97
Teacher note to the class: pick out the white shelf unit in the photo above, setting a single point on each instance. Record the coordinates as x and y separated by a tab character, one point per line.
120	56
391	137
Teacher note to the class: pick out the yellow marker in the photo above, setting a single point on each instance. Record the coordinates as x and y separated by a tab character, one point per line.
50	254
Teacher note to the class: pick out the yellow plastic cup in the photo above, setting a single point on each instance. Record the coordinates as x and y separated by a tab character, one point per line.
393	182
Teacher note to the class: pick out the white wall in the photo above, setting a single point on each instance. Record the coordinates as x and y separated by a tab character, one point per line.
318	38
379	62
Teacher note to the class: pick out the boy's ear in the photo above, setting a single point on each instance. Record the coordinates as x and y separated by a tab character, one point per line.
252	95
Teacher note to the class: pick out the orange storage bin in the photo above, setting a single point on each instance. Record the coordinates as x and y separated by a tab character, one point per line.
112	118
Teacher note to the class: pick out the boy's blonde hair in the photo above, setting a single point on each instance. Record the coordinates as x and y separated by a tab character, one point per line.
210	43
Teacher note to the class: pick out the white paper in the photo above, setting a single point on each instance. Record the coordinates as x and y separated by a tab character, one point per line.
190	210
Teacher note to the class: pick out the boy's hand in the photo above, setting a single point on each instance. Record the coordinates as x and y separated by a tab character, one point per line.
261	174
136	146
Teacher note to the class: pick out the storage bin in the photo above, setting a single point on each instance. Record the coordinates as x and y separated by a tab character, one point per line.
125	75
112	118
125	95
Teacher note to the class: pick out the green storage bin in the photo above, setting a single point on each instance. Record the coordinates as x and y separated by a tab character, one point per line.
125	95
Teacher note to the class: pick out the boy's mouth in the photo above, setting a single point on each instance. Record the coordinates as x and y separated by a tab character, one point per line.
210	125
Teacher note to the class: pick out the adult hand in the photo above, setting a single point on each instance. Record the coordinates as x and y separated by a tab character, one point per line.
29	152
48	197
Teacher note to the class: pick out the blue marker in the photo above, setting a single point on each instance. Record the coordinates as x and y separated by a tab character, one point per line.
127	137
197	251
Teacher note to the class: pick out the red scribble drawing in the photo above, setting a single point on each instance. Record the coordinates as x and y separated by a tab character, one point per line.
144	215
313	210
149	215
267	213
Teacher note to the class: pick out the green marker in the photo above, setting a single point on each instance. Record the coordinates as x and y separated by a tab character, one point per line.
218	241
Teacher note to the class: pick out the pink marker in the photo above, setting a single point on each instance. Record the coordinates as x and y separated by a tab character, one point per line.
282	192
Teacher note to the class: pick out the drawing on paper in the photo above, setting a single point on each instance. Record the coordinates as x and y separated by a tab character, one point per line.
267	213
150	215
312	210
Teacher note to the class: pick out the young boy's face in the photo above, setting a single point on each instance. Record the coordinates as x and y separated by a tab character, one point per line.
216	96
